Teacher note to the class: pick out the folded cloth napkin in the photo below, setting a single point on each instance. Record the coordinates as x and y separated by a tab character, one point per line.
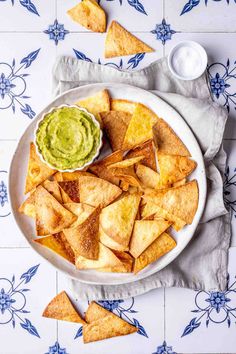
203	263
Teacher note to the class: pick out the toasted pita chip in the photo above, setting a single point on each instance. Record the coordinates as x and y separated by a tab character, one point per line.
114	122
51	216
127	261
127	175
61	308
81	210
106	259
53	188
28	206
147	176
89	15
167	141
145	232
125	186
70	176
37	170
97	192
95	312
84	237
117	219
120	42
163	244
56	244
71	188
126	163
180	183
146	149
123	105
100	102
174	168
180	201
109	242
140	127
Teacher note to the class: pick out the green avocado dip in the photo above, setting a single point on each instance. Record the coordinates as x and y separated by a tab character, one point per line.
68	138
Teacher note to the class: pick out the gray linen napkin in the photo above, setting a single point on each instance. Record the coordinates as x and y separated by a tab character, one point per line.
203	263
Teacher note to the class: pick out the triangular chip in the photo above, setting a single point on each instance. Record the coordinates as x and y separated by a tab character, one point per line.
180	182
57	245
97	192
81	210
124	185
106	259
127	162
120	42
109	242
70	176
144	233
37	170
114	122
95	312
163	244
89	15
127	264
54	189
28	206
117	219
61	308
123	105
84	238
146	149
167	141
128	176
180	201
100	102
71	188
51	216
140	127
147	176
174	168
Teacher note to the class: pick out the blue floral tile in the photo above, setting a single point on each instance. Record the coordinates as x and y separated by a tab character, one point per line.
163	32
189	6
56	32
56	349
4	199
27	4
164	349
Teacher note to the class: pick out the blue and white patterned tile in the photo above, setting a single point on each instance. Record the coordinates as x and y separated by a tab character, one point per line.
221	69
25	80
135	15
26	15
202	15
201	321
24	293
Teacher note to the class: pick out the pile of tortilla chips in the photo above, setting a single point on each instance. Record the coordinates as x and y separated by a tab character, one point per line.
98	323
117	215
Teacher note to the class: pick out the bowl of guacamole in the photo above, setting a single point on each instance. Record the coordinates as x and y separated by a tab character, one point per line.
68	138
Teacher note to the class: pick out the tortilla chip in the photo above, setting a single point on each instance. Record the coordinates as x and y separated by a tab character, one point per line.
81	210
146	149
180	201
180	183
145	233
125	186
140	127
56	244
84	237
163	244
97	192
114	122
100	102
71	188
28	206
147	176
106	258
123	105
109	242
51	216
53	188
127	264
126	163
120	42
89	15
127	175
167	141
61	308
117	219
70	176
174	168
95	312
37	170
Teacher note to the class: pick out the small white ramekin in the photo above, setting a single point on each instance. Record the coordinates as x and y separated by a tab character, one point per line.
202	54
95	122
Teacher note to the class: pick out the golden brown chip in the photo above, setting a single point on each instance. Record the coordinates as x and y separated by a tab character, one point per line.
70	176
51	216
180	201
95	312
117	219
71	188
126	259
81	210
89	15
174	168
127	175
28	206
145	233
97	192
61	308
109	242
127	162
114	122
180	183
125	186
84	238
167	141
54	189
140	127
37	170
146	149
123	105
120	42
147	176
163	244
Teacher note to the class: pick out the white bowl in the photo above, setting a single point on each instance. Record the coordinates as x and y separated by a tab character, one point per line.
189	46
94	121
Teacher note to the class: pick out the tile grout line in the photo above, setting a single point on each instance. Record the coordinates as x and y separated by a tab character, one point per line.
99	34
164	313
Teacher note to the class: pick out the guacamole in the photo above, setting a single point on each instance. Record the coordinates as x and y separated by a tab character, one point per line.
68	138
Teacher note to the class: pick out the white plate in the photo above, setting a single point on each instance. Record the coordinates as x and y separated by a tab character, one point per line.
18	171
